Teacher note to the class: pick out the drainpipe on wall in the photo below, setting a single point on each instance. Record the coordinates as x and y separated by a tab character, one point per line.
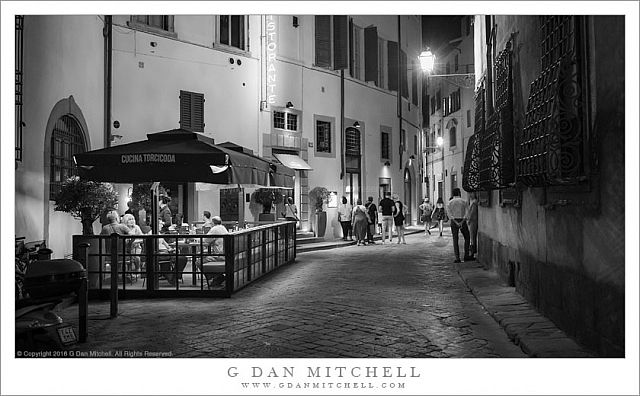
401	148
342	136
107	78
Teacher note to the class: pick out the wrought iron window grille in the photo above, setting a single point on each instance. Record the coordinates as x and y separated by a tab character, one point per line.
491	156
553	146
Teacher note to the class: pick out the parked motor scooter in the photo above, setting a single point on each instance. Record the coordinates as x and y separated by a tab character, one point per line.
40	328
49	286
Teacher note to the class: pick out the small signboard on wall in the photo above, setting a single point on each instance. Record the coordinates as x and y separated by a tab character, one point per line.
333	199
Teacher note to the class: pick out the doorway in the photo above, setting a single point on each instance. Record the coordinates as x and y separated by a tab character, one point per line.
407	194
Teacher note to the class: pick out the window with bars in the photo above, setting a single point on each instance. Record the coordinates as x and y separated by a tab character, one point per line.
494	157
471	173
192	111
323	136
159	22
231	31
415	144
352	142
19	84
385	143
553	147
67	139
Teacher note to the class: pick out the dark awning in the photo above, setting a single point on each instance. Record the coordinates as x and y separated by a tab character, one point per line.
174	156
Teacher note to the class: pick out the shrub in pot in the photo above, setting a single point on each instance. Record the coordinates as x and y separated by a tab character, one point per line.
267	197
85	200
319	196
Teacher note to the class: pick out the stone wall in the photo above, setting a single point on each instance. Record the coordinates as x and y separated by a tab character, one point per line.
590	311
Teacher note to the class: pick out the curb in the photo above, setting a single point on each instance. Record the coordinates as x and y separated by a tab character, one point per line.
312	247
536	335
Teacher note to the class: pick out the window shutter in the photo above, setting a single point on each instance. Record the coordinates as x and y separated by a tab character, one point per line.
414	83
403	74
371	54
351	50
323	40
340	42
192	111
197	112
392	59
185	110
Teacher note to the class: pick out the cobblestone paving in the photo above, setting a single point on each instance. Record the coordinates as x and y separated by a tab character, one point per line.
382	301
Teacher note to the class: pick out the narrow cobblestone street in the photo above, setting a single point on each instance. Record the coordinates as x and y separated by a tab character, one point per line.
382	301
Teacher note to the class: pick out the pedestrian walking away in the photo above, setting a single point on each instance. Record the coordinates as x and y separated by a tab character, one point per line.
439	214
425	216
398	218
472	221
344	217
372	211
290	211
360	222
457	211
386	208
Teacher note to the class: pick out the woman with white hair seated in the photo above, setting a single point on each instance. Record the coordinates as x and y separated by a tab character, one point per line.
135	247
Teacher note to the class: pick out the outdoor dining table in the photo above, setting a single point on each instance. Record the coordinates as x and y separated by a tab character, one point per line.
193	247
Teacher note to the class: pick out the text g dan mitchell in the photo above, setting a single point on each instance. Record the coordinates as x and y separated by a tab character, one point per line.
326	372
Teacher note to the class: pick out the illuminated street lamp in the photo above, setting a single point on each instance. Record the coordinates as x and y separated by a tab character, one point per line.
427	60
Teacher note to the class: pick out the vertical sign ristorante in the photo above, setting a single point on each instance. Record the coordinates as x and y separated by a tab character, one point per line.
271	59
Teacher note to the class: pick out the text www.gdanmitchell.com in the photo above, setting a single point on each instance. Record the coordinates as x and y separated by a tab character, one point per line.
322	385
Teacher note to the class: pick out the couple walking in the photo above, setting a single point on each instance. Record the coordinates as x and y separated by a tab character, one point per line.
358	221
393	214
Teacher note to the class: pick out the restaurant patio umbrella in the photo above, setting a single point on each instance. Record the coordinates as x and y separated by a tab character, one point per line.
180	156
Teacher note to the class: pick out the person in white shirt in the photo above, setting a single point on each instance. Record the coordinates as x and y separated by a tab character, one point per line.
216	279
344	217
457	212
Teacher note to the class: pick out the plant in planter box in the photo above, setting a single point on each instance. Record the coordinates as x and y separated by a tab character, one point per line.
267	197
319	196
85	200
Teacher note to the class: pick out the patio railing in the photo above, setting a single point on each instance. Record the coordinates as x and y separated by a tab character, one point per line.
194	265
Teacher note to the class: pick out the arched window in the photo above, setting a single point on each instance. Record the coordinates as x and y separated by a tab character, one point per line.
67	139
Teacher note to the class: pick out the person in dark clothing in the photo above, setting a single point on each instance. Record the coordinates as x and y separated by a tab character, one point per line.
387	208
165	213
372	211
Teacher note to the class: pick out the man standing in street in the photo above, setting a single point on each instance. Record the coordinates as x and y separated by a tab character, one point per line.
373	219
386	208
457	210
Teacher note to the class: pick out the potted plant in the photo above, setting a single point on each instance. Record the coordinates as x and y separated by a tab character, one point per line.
85	200
267	197
319	196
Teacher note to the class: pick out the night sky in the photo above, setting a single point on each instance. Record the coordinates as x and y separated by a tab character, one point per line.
439	29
